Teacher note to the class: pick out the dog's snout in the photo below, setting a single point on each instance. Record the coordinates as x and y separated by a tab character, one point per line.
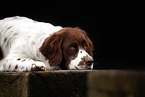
88	60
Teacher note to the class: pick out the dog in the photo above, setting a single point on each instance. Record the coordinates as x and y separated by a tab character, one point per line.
31	45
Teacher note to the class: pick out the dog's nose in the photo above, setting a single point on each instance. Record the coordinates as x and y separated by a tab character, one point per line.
88	60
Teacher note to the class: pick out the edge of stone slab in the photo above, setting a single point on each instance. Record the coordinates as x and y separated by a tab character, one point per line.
75	71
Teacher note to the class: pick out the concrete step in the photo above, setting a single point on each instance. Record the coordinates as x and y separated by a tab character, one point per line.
73	83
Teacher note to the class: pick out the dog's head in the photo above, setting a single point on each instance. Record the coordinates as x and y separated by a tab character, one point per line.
69	48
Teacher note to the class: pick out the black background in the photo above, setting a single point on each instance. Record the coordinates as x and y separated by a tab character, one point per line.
116	28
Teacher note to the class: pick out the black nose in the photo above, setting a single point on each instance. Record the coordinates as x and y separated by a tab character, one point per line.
89	61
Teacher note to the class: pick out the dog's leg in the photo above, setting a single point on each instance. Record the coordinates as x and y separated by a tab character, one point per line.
21	64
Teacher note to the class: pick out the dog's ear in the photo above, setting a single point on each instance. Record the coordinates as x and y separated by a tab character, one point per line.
90	46
51	49
77	28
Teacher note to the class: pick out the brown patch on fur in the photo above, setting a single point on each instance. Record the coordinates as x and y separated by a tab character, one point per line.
5	39
16	67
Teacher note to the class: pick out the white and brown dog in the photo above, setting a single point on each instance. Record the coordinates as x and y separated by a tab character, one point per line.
28	45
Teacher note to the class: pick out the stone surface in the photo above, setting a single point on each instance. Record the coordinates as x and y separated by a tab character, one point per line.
116	83
57	84
13	84
73	83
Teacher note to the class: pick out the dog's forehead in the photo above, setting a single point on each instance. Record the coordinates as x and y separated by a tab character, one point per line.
76	34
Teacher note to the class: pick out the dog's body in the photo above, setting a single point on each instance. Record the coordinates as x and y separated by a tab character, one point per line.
24	42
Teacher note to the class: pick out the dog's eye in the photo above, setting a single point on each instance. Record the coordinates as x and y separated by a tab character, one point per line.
73	47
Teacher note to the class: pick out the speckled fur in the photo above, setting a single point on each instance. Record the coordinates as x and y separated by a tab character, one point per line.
21	39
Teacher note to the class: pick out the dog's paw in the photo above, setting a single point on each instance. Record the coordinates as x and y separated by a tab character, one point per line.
38	66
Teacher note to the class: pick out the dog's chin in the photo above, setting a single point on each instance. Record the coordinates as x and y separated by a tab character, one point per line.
81	67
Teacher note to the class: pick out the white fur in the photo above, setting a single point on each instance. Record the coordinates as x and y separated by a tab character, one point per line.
21	39
24	37
75	63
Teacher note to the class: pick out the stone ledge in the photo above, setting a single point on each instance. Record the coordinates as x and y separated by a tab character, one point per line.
73	83
116	83
14	84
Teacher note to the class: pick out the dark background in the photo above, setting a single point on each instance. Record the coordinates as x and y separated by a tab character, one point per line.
116	28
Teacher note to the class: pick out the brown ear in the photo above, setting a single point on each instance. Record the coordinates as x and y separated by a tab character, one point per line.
51	49
77	28
89	42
